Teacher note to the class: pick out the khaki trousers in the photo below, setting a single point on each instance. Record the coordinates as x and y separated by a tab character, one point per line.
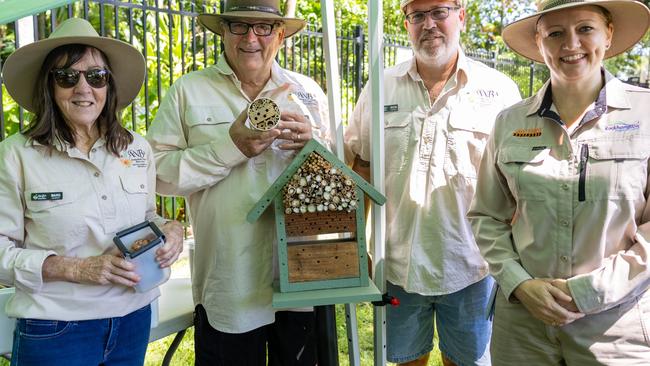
618	336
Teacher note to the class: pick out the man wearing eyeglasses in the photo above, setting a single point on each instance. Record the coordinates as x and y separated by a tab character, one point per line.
439	108
205	151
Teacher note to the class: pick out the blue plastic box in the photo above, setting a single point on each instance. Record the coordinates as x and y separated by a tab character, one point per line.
144	258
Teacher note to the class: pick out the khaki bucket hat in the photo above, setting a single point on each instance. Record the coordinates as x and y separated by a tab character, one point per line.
22	67
629	18
255	9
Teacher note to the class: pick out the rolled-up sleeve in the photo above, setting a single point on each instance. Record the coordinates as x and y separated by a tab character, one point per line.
19	267
490	215
184	169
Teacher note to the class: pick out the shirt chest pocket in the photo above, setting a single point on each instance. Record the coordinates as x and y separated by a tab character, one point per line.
397	139
467	137
135	191
617	170
204	124
57	221
529	172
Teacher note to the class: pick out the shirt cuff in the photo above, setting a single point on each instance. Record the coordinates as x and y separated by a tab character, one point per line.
512	275
226	151
28	269
584	295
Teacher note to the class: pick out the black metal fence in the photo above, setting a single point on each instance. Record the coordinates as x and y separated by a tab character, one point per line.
173	43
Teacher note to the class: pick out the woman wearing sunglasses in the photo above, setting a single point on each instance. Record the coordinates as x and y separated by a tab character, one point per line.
69	182
562	209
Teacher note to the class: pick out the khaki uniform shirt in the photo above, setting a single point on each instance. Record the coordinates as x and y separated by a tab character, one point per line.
233	259
69	204
579	200
432	155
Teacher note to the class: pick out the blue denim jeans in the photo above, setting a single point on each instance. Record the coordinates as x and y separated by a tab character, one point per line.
110	341
463	328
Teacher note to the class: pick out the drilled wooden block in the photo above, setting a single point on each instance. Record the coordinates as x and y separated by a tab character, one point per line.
320	223
322	261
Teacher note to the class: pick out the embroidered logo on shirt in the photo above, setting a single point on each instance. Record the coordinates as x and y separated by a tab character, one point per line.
47	196
527	132
134	157
484	93
308	99
126	162
622	127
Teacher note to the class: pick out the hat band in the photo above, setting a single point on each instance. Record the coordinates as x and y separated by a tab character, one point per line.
264	9
556	3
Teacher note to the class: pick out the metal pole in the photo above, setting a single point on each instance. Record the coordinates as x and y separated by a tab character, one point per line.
325	315
333	89
376	64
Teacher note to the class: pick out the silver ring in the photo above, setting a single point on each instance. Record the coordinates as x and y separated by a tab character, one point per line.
298	137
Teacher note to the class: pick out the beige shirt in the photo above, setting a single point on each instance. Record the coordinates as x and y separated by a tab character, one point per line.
69	204
432	155
233	259
580	200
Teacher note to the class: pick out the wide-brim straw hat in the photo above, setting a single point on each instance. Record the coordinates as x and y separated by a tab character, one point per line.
629	18
252	9
22	67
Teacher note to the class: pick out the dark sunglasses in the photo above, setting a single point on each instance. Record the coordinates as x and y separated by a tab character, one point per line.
67	78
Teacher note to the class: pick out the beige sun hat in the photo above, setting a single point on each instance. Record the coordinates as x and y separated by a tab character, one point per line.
23	66
256	9
629	18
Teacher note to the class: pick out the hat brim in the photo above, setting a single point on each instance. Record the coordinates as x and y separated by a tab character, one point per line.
213	22
630	20
23	66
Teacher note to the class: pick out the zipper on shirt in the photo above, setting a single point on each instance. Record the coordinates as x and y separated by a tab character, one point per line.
584	158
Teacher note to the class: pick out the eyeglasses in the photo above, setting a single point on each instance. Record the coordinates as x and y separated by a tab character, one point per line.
439	13
260	29
67	78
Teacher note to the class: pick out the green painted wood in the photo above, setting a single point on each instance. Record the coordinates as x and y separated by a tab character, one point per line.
276	188
319	285
361	239
12	10
311	146
325	297
281	234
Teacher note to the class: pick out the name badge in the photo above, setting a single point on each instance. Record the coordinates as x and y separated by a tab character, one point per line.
391	108
47	196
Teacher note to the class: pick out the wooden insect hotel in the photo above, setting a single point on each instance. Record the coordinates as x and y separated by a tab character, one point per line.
320	222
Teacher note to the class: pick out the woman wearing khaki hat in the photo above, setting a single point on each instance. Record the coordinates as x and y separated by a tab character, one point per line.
70	181
562	210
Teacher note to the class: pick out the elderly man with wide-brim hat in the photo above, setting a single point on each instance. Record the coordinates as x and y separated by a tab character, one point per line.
70	181
208	151
562	210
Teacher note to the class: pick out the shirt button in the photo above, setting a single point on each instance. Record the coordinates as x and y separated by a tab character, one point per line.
93	150
96	174
564	258
104	197
565	186
209	118
142	186
564	223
